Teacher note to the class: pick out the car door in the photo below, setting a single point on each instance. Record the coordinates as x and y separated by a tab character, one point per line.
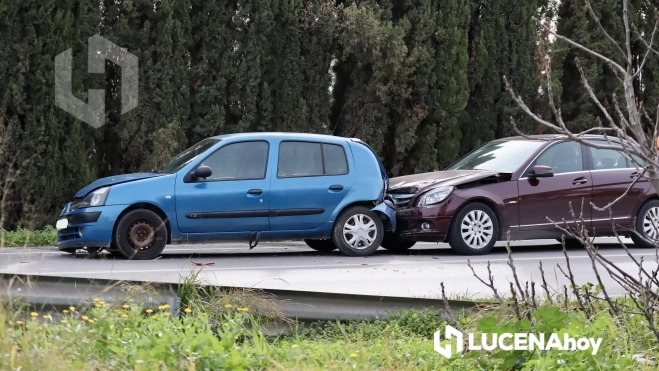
612	174
312	179
542	198
234	198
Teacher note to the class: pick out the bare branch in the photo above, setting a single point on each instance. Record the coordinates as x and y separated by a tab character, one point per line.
628	39
596	19
579	46
648	46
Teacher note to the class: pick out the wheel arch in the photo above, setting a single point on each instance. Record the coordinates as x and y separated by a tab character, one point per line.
368	204
145	206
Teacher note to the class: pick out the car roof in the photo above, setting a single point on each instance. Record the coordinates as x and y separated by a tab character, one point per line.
554	137
295	136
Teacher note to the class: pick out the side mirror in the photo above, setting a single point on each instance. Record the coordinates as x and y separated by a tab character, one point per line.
541	171
202	172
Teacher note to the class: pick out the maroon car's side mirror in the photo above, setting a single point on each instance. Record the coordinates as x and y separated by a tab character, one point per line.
541	171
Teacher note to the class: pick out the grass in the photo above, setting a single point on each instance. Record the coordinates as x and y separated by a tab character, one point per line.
223	330
24	237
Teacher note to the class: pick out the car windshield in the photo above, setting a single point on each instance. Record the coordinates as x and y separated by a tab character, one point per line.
501	156
188	155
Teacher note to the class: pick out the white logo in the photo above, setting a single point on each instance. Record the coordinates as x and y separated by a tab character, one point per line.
99	49
513	341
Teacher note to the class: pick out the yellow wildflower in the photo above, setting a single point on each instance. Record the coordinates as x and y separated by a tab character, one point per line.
127	329
34	314
65	311
65	321
126	306
166	314
91	321
149	310
97	299
227	305
353	355
295	346
85	318
19	322
187	310
72	308
124	315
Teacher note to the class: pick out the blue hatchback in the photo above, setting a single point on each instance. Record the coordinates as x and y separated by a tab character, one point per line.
326	190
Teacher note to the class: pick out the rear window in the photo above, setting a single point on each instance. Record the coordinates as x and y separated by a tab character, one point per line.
299	159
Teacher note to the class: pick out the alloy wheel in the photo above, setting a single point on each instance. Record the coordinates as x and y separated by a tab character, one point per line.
477	229
651	223
359	231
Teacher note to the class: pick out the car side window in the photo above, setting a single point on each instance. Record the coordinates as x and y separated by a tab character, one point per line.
236	161
564	157
297	159
604	159
334	157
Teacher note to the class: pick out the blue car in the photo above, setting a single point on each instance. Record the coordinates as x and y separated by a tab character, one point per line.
252	187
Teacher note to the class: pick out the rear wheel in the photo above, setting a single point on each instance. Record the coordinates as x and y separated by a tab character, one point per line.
358	231
474	230
141	234
392	243
647	225
321	245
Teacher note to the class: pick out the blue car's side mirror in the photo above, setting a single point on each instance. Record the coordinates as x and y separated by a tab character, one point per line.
202	172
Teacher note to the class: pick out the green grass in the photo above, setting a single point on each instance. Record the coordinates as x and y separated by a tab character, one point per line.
222	330
24	237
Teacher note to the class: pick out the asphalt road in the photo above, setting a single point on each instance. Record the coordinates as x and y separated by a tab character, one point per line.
293	266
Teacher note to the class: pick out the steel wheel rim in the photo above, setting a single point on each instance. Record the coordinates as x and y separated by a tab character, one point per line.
477	229
141	235
359	231
651	223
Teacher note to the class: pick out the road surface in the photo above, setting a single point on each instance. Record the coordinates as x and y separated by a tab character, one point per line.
293	266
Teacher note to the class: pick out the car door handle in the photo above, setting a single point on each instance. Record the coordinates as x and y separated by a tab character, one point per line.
634	175
255	192
581	180
336	187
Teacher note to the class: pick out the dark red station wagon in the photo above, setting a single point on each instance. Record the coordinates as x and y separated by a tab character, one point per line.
515	184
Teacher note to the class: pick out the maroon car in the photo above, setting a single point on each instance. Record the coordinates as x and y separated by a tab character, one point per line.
516	184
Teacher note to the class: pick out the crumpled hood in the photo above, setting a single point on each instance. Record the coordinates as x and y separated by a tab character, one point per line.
411	184
115	179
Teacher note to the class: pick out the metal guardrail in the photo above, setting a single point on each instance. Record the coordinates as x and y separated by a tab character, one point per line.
52	293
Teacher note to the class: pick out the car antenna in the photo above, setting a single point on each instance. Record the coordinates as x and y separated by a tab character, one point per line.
337	120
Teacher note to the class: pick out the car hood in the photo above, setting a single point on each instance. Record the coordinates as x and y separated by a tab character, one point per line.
411	184
115	179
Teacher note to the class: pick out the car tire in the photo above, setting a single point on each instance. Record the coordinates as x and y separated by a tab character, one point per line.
392	243
321	245
470	229
140	235
644	226
345	233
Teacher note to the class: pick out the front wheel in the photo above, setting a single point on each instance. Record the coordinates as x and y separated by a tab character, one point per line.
394	244
358	231
321	245
140	235
474	230
647	225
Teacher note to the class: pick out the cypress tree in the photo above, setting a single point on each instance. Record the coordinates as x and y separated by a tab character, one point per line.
43	152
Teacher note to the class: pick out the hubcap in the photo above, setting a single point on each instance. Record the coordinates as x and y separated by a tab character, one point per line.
359	231
651	223
141	234
477	229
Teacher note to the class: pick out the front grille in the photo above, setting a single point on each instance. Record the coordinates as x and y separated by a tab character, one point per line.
400	200
67	234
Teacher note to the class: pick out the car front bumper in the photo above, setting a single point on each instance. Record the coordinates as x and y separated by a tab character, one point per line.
87	227
427	223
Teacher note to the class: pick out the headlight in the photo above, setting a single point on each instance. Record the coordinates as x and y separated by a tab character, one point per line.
435	196
94	198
